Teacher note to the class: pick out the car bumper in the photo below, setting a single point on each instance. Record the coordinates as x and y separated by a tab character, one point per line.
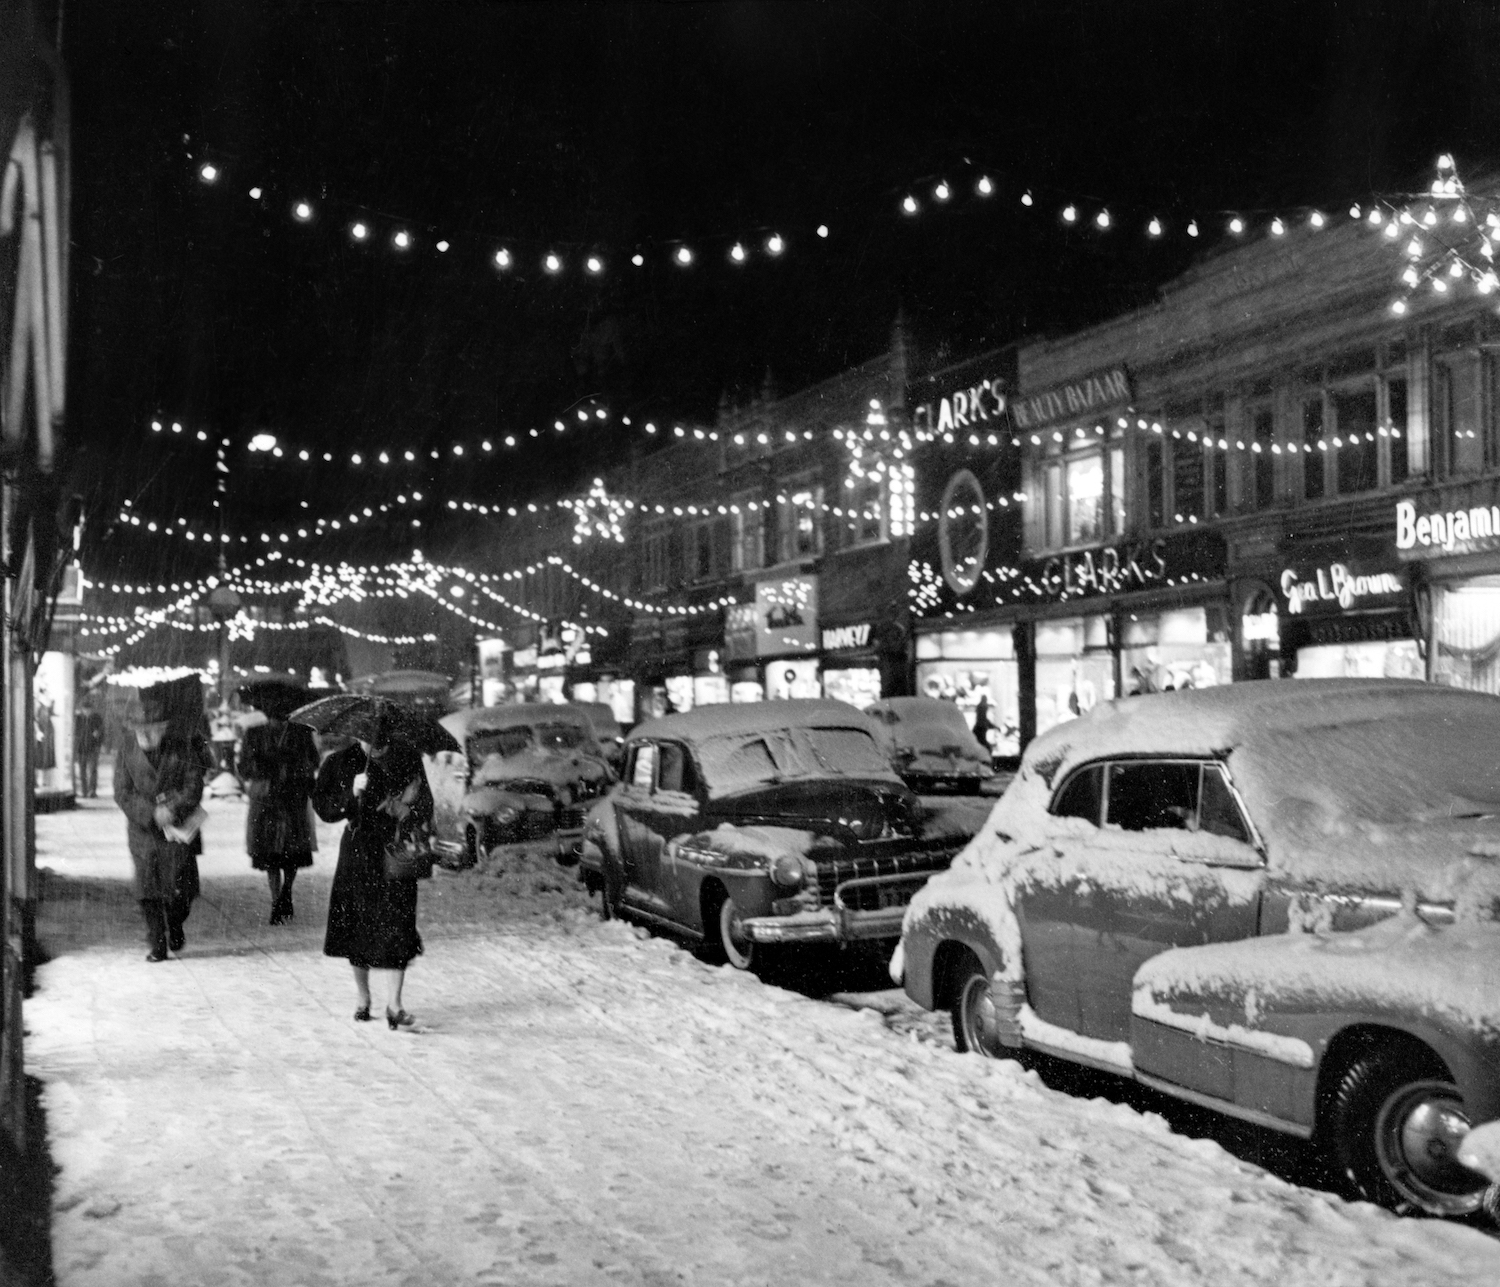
842	923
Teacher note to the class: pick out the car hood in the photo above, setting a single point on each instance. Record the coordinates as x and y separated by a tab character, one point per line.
868	809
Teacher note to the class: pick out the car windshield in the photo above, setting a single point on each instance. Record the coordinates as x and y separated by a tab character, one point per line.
737	763
498	741
559	737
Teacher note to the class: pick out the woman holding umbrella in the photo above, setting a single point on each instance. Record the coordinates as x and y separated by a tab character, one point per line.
379	785
279	762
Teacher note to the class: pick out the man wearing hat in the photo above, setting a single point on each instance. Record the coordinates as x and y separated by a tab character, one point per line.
159	786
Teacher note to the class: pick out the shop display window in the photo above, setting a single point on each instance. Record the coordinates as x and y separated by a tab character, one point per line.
1466	624
710	690
679	692
1173	650
619	696
792	678
992	686
747	690
549	688
1375	659
857	685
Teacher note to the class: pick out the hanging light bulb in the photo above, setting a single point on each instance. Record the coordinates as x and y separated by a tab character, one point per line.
1375	218
208	172
1455	269
1236	225
909	204
1410	276
1278	228
775	244
1192	228
942	192
1460	215
984	187
1414	248
1430	218
1392	230
1445	162
302	212
1487	282
502	258
255	194
442	247
552	263
737	253
401	240
594	264
683	256
822	230
359	231
1354	211
638	259
1154	227
1026	199
1439	285
1317	218
1102	219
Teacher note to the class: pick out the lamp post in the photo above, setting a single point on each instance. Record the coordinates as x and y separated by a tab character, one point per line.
223	603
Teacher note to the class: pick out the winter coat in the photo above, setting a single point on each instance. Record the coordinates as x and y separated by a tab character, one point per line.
372	921
172	774
279	762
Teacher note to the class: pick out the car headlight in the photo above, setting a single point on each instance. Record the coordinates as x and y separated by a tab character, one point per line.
787	871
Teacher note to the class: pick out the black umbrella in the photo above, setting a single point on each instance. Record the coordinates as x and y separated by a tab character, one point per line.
367	719
277	695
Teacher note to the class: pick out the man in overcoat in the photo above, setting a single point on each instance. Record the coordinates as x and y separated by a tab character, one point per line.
159	786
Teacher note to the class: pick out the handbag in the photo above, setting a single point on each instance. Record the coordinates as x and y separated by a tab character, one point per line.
409	854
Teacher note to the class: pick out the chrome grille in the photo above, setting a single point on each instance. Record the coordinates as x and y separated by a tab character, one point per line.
571	817
882	860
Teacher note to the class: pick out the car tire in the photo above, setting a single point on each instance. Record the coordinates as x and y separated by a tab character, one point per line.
1394	1126
611	888
737	952
973	1010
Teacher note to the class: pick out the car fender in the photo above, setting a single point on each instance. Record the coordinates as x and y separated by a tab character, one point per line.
935	929
739	857
1266	1001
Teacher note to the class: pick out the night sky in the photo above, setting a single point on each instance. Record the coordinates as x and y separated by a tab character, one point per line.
612	127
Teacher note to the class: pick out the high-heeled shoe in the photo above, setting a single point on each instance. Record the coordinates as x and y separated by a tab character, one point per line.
362	1015
398	1020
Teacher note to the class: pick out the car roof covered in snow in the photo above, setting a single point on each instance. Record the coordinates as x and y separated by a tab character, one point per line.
920	712
749	718
1387	784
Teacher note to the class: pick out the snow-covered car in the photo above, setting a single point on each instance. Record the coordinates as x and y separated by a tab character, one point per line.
766	823
1278	900
931	744
607	731
525	773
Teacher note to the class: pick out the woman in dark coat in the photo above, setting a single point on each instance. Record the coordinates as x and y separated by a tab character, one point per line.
159	785
279	762
372	921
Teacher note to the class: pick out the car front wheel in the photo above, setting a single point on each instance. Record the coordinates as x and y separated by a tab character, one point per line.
975	1025
611	888
738	950
1396	1125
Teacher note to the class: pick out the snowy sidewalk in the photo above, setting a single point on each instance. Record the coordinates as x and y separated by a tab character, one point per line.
585	1105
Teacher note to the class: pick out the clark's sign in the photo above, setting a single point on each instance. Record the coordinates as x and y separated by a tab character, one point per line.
982	403
1448	530
1092	394
1131	565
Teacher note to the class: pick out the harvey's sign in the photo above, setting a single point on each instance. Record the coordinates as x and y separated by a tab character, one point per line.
1092	394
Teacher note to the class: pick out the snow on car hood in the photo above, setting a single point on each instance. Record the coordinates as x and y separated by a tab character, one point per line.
1401	963
760	842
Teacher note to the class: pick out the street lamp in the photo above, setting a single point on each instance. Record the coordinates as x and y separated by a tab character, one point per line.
223	603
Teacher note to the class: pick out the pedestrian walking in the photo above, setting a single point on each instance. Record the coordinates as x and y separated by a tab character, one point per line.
279	762
159	787
88	742
380	787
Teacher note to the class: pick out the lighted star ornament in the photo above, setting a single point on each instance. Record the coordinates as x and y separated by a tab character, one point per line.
1447	237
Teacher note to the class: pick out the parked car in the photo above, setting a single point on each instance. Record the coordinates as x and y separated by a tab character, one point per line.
770	823
526	773
607	731
931	744
1278	900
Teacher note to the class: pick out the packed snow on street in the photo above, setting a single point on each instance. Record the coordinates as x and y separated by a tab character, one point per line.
585	1102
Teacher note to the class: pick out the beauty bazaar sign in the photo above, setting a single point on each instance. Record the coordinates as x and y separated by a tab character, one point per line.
1093	393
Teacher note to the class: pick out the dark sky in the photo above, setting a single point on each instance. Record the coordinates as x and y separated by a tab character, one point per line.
612	126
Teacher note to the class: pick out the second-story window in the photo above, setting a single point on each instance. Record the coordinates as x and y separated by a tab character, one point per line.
801	520
866	509
1083	489
655	565
1314	449
1263	459
702	554
747	549
1354	431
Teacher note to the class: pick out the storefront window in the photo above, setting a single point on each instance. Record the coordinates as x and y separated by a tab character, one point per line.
1173	650
710	690
1466	623
1187	480
1354	427
680	692
1085	500
747	533
1313	448
1374	659
1117	490
791	678
1074	669
976	670
747	690
857	685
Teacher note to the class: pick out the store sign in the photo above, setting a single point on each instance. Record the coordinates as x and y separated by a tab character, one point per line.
837	637
1337	587
786	616
1098	391
1128	566
1452	530
523	659
980	403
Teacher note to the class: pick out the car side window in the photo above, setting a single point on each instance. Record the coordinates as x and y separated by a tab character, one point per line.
643	766
1149	795
1082	796
1218	811
676	771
